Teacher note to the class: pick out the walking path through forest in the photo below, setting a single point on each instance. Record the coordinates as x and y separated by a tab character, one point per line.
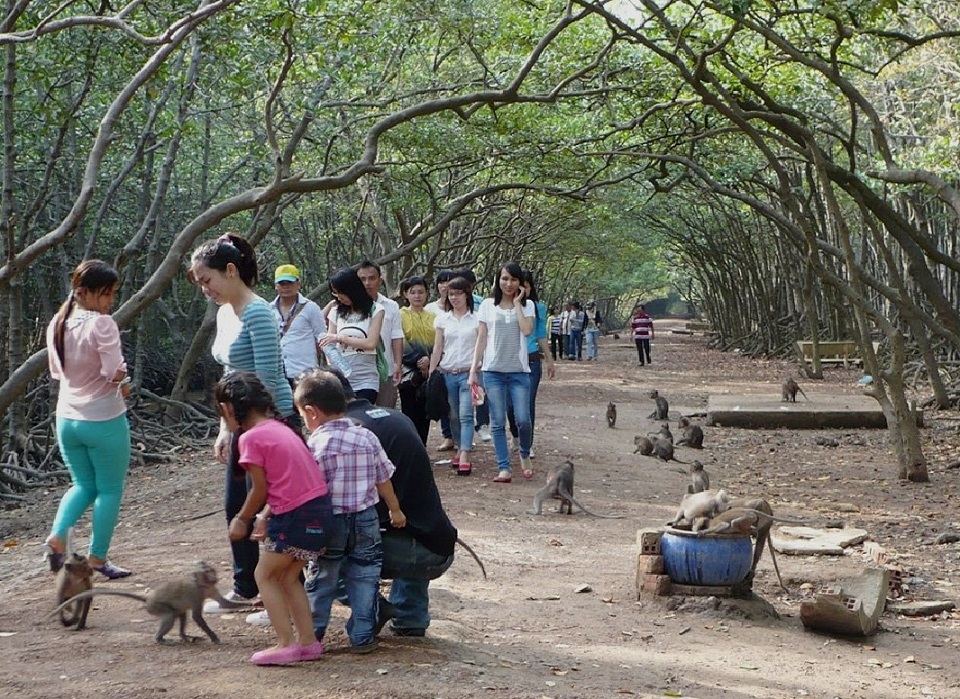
526	631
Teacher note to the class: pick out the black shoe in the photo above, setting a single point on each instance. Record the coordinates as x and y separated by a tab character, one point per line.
414	633
385	612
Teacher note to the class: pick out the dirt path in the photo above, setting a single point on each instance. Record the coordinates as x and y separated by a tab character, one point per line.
525	632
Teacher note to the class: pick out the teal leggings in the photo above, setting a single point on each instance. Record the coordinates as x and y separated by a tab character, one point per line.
97	455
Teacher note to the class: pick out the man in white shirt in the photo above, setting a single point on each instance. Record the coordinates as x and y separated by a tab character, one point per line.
391	333
301	323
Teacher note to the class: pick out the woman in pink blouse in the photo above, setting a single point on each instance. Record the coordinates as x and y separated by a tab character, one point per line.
83	345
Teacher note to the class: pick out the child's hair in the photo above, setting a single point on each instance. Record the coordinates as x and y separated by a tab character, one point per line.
321	390
228	248
91	275
511	268
346	281
459	284
246	393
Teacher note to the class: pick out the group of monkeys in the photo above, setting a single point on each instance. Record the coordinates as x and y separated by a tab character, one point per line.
704	511
170	601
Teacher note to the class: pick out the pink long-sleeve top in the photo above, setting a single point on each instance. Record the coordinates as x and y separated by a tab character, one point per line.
91	346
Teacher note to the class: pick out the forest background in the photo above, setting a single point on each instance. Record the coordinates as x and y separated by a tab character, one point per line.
787	168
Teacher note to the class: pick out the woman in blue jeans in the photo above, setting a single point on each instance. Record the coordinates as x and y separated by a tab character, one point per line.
538	353
453	347
505	322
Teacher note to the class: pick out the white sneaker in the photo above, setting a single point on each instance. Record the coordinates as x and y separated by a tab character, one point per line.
239	602
532	455
514	444
258	619
485	435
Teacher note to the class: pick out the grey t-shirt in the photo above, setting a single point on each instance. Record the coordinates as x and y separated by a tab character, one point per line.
506	348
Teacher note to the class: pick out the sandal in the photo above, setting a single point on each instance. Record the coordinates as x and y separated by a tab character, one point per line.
113	572
464	469
503	477
54	559
447	445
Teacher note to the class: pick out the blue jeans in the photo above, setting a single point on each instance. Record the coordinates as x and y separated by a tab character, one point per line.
412	566
461	409
575	348
536	373
354	550
512	387
593	342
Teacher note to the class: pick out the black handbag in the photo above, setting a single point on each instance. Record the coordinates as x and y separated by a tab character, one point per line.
435	396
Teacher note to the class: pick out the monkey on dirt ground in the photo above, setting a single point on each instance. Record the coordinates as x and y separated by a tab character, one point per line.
172	600
696	506
788	392
662	406
692	437
560	487
644	445
611	414
664	432
75	577
700	479
663	450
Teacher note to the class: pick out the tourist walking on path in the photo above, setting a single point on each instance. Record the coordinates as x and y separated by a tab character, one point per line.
391	333
247	339
418	342
592	331
301	322
453	349
554	321
575	322
437	307
505	321
84	355
642	326
537	354
355	323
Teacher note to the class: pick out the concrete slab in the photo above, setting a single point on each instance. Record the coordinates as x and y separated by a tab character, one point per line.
807	541
819	412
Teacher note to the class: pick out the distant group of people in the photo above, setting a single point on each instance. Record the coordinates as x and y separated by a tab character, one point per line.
573	327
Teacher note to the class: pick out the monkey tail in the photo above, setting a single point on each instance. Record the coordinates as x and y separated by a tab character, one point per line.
93	593
475	556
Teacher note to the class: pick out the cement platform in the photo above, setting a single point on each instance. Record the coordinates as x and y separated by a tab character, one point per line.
821	412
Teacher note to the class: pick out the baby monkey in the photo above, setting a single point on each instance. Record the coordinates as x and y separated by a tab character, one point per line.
560	487
172	600
611	414
699	478
75	577
644	445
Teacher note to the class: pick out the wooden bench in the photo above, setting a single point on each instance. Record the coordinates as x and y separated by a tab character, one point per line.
843	352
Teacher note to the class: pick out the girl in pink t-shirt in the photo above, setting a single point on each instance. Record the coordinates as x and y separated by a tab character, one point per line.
296	515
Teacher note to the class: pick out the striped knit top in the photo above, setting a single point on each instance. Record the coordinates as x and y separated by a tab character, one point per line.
252	343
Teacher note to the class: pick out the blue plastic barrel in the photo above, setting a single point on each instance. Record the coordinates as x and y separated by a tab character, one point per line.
708	560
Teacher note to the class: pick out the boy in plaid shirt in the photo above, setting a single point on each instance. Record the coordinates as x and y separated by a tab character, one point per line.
358	475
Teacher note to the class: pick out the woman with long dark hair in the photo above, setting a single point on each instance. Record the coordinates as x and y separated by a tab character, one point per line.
354	323
453	349
538	353
247	339
84	355
505	322
418	341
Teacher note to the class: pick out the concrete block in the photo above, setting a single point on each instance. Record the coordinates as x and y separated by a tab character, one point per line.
658	585
649	541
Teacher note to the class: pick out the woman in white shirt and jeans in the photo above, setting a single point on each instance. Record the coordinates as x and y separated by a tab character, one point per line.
453	348
505	321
